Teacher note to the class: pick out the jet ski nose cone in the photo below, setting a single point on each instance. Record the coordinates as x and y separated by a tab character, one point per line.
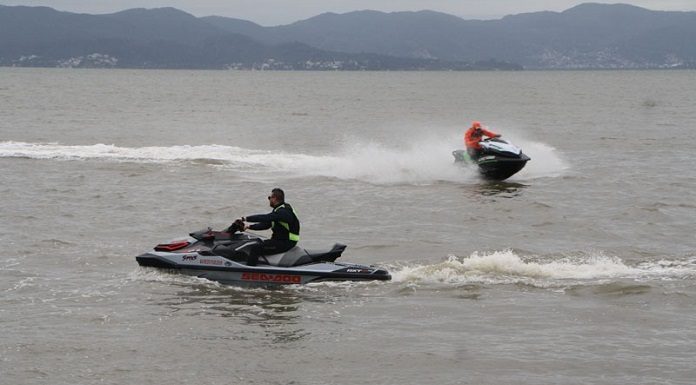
382	274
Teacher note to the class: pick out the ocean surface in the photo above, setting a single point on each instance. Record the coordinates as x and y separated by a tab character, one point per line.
581	269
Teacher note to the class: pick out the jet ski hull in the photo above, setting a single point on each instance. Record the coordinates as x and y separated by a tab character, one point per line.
500	159
200	258
500	168
220	269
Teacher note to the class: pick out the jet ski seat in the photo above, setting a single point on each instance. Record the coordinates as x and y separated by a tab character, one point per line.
293	257
298	256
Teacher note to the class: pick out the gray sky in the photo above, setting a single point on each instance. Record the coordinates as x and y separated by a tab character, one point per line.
276	12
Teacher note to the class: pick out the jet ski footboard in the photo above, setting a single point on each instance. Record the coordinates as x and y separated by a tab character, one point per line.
237	254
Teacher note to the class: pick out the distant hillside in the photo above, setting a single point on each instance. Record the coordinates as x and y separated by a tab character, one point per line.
169	38
585	36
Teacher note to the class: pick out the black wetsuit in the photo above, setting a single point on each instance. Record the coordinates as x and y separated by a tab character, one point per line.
286	231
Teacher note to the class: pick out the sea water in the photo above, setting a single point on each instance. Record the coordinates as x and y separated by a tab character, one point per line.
580	269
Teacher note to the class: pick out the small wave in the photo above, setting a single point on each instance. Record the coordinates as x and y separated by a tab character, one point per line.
614	289
28	282
206	154
56	242
505	267
156	275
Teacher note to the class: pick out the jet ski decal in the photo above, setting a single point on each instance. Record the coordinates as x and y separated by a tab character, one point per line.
275	278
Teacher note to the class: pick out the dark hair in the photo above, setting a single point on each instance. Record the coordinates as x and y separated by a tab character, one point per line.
278	193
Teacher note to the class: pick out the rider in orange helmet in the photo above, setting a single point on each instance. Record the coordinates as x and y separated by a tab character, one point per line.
473	136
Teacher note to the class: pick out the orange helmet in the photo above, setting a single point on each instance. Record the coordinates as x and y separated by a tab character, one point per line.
476	124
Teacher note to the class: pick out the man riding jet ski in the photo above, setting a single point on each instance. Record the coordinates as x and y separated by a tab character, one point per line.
496	158
235	256
282	221
473	137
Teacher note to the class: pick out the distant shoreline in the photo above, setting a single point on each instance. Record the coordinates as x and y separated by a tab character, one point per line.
355	71
589	36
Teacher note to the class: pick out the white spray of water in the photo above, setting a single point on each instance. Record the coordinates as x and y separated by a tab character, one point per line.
422	161
546	160
504	267
152	154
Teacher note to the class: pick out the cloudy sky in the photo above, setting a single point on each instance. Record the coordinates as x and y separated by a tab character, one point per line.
276	12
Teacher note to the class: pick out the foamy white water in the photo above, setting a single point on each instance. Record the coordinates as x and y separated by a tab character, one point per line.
426	161
505	267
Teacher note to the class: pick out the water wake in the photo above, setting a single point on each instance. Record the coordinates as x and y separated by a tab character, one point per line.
506	267
152	154
425	161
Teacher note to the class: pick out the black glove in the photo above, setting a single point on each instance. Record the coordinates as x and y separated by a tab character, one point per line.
237	225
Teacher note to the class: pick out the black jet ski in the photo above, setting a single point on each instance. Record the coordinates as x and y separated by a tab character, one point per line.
221	256
500	159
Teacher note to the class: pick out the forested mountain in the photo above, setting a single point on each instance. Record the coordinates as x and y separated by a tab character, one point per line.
586	36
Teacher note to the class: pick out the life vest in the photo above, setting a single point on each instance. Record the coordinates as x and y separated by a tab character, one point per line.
292	228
